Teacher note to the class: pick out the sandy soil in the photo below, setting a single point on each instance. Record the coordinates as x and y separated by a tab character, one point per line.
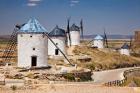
75	88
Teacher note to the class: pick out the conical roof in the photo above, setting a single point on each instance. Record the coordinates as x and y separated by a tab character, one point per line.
57	32
74	28
32	26
125	46
98	37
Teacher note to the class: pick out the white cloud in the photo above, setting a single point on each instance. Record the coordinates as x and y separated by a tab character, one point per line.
35	0
74	2
72	5
31	4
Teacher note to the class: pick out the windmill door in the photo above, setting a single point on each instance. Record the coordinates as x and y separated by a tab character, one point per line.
56	51
34	60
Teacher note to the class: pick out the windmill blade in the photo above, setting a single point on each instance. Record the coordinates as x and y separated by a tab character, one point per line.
19	26
68	31
81	27
105	39
10	47
45	34
90	41
130	42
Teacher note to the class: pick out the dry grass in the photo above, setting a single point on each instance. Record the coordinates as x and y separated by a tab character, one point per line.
106	60
133	77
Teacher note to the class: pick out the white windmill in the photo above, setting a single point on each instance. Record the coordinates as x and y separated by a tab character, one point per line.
125	49
32	45
98	42
58	36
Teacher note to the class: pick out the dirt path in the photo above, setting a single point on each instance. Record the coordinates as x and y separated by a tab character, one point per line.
75	88
102	77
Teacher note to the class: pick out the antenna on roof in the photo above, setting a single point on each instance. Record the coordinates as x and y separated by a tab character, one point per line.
81	27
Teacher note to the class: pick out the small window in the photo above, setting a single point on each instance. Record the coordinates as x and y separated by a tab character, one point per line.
33	48
21	35
31	36
56	43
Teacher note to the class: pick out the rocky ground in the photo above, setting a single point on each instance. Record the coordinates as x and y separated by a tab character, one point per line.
72	88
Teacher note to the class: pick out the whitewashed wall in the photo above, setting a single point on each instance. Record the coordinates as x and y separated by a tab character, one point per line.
25	49
98	44
125	52
75	38
60	43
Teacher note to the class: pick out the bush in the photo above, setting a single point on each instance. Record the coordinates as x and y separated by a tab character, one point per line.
13	87
91	66
69	76
30	75
137	81
85	77
135	54
19	76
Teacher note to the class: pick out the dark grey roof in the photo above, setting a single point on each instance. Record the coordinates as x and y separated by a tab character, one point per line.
74	28
125	46
57	32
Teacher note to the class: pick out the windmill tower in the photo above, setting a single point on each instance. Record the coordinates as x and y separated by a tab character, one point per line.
32	45
74	35
58	36
98	42
125	49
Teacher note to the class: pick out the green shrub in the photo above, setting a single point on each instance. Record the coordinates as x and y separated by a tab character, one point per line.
85	77
91	66
69	76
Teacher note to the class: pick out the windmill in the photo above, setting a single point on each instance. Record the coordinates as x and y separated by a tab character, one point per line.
68	32
12	43
81	27
105	40
46	34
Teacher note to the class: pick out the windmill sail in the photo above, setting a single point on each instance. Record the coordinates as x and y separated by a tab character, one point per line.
81	26
68	32
11	46
105	39
45	34
130	46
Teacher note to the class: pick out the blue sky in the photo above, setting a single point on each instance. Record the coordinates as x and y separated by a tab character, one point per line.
117	16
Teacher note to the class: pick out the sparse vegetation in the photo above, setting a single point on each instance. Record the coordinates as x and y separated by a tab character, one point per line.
132	77
137	81
13	87
105	58
30	75
69	77
135	54
91	66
